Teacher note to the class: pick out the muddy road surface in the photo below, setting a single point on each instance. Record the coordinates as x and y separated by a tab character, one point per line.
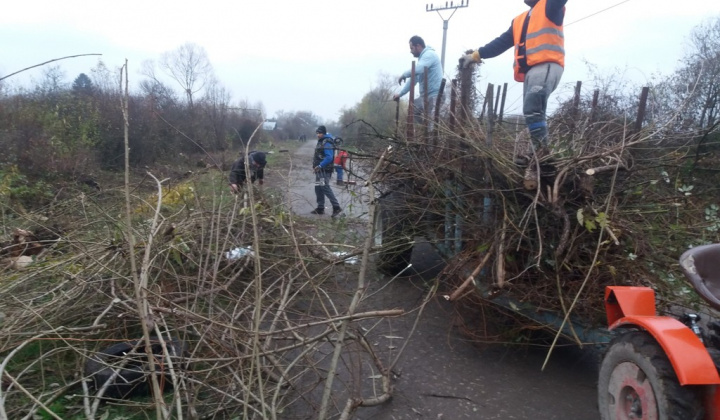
441	374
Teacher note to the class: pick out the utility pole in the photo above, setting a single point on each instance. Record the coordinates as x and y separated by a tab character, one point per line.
448	6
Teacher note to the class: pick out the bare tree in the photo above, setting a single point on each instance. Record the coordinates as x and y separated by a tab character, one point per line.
375	112
189	66
690	95
216	104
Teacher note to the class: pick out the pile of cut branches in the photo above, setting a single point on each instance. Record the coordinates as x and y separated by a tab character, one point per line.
614	205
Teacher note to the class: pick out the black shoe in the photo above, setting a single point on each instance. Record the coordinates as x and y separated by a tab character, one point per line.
336	212
318	211
340	183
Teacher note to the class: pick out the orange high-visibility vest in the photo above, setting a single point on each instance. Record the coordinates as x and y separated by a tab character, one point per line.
542	41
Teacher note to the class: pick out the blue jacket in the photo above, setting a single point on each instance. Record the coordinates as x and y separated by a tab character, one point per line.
427	61
324	153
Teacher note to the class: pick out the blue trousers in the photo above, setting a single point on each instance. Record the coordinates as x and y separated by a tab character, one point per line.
339	171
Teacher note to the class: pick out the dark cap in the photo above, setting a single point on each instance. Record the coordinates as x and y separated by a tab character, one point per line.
259	158
321	130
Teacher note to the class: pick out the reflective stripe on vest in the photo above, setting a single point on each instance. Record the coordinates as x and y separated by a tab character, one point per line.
542	41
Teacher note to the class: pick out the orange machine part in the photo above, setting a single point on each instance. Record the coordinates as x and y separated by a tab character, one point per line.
622	301
690	359
635	306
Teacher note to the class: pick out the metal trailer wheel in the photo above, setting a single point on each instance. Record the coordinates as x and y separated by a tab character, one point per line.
132	376
637	381
393	236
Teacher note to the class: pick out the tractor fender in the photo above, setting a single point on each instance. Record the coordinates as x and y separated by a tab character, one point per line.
622	301
687	354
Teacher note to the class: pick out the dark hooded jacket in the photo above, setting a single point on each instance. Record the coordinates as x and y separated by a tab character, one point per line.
324	153
237	172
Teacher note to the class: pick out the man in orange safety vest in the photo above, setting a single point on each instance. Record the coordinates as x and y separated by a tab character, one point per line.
537	35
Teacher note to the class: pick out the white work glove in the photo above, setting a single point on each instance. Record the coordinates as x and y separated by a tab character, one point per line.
471	56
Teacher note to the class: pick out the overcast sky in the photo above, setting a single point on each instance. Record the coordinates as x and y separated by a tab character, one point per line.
323	55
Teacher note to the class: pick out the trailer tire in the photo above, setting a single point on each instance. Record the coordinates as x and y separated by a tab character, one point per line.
393	236
132	377
637	379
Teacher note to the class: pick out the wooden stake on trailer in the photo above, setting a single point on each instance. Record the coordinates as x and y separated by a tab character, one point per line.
497	102
641	109
482	111
436	117
409	128
453	104
491	118
425	114
397	116
593	107
575	107
502	104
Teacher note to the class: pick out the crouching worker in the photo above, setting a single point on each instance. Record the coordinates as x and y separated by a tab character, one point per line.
323	167
237	173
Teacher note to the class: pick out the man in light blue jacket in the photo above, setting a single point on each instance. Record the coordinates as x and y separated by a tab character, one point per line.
428	62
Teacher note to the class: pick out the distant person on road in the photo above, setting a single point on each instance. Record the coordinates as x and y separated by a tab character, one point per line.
428	63
323	168
238	177
341	165
537	36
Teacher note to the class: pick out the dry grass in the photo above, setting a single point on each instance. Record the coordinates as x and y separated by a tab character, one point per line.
264	335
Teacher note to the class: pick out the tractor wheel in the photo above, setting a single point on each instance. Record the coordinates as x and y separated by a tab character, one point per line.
393	237
637	381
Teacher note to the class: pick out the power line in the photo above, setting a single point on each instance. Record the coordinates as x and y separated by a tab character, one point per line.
597	13
450	6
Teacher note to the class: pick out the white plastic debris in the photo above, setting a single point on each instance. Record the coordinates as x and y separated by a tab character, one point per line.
341	255
19	263
238	253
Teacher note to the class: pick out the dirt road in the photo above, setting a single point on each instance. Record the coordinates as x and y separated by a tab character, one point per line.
440	374
300	186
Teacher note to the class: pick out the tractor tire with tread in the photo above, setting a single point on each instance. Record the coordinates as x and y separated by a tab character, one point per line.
637	380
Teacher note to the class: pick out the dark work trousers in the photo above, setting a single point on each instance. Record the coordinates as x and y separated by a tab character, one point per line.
540	81
322	189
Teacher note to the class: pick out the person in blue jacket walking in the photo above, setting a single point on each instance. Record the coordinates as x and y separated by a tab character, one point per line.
323	167
428	63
